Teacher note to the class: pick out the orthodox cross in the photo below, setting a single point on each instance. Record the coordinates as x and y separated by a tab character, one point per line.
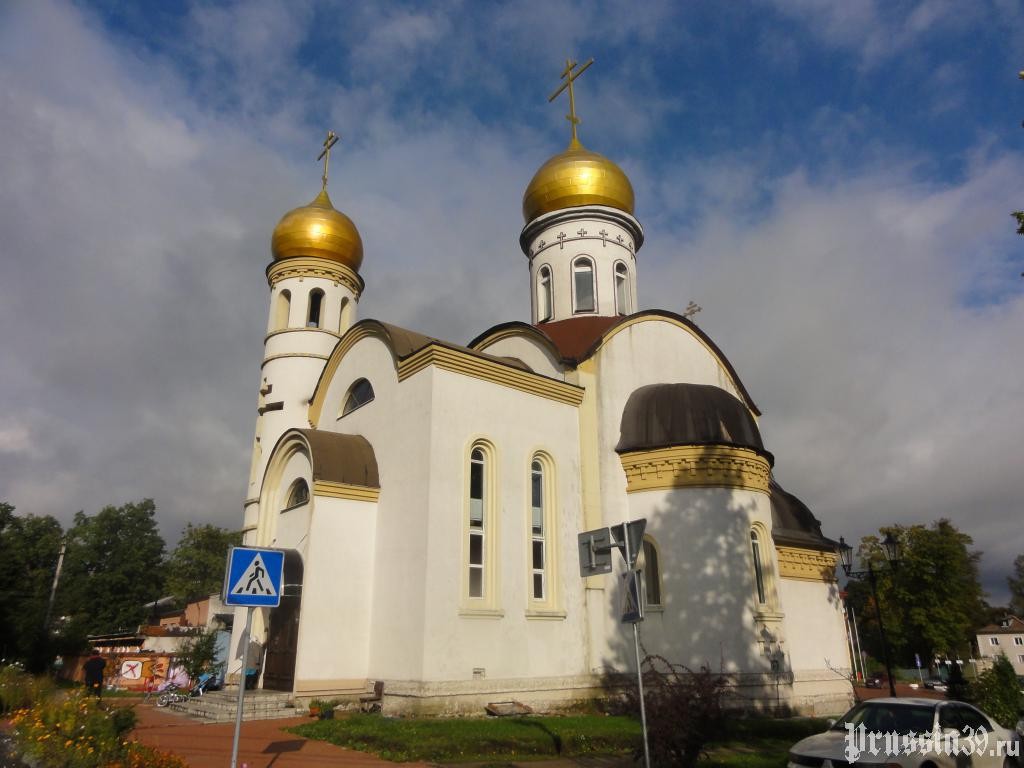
325	154
569	75
691	309
561	240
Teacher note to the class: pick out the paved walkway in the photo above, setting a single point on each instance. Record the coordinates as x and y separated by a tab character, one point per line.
263	743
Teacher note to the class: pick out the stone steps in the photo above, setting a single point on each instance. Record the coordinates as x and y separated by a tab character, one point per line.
222	706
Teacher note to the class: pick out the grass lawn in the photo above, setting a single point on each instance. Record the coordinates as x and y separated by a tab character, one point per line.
753	743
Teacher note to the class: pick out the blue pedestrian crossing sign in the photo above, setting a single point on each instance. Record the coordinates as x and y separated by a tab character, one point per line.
254	578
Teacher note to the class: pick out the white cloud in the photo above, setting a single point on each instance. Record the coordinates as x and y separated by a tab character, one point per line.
864	309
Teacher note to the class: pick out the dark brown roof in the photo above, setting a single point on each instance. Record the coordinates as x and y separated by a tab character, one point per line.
662	415
405	343
1015	626
793	524
340	458
573	337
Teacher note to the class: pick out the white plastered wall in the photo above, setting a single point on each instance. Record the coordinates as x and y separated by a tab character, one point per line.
396	423
512	643
707	580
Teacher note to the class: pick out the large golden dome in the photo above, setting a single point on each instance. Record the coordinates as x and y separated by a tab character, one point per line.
576	177
318	229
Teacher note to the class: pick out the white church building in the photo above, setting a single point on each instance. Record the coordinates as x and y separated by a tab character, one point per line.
429	495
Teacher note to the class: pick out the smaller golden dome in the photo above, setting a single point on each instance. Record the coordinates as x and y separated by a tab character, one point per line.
318	229
576	177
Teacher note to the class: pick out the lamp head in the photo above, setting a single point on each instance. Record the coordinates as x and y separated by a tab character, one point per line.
845	555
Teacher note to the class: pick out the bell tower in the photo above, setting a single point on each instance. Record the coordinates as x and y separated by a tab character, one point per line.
314	291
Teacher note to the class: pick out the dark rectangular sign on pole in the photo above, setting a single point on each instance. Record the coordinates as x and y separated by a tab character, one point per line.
634	531
595	549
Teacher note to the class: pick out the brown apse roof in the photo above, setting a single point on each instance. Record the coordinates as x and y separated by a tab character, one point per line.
340	458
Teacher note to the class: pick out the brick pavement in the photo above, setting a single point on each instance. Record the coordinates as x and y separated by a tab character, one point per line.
263	743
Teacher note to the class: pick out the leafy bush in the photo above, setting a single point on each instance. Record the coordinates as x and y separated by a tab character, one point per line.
19	689
684	710
997	693
77	731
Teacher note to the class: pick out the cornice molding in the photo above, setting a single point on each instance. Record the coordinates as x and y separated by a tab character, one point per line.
333	490
695	466
488	370
281	331
310	266
561	239
283	355
571	215
806	564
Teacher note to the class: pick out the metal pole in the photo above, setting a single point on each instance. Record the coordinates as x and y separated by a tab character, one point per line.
636	648
640	684
241	688
856	637
849	640
53	589
881	630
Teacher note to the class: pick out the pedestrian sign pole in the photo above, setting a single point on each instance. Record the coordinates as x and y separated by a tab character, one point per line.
254	579
595	558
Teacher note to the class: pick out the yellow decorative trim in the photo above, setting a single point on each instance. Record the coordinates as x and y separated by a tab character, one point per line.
310	266
345	491
695	466
806	564
310	355
449	359
488	370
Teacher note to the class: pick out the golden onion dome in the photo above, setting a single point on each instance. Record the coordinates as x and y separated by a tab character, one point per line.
576	177
319	230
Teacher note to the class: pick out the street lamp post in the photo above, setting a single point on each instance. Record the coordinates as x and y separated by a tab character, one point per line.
892	555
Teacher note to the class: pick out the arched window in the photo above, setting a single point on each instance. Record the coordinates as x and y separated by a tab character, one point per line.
755	548
359	394
298	494
316	300
282	307
545	303
621	289
477	521
343	316
538	532
652	573
583	285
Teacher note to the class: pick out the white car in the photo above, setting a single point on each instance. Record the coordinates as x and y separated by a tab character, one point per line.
911	733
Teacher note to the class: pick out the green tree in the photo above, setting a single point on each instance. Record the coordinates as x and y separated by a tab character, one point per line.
932	603
29	548
198	654
1016	585
1019	216
113	567
997	692
195	568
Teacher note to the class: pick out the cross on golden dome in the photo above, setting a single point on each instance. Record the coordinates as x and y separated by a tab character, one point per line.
325	154
569	75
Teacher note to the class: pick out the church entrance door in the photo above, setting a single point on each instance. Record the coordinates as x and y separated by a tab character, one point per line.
283	638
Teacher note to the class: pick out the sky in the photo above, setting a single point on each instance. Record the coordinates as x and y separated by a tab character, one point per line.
831	182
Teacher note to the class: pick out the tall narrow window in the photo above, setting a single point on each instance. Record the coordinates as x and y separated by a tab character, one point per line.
282	307
316	300
652	572
621	289
545	307
583	285
477	515
343	312
538	554
755	547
